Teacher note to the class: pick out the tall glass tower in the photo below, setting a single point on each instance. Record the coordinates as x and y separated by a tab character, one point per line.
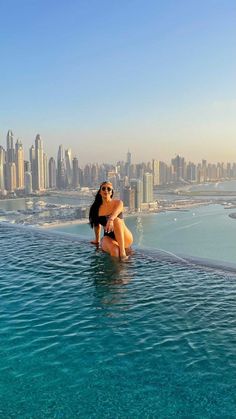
10	156
147	187
39	163
19	158
61	170
2	163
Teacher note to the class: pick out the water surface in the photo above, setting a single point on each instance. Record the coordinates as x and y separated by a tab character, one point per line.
85	336
204	232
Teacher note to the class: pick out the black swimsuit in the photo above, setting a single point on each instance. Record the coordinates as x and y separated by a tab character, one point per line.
102	219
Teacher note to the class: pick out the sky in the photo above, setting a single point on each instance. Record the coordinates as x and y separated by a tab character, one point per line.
157	77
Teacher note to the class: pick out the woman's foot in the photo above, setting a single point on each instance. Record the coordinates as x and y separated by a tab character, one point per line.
123	256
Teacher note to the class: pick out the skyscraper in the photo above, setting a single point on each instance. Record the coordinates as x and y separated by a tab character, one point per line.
147	188
33	167
28	183
11	176
61	170
178	165
19	160
94	174
160	172
75	165
2	175
129	197
191	172
52	173
128	164
39	165
69	169
137	185
45	169
10	156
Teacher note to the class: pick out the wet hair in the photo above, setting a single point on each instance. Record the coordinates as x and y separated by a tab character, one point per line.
94	209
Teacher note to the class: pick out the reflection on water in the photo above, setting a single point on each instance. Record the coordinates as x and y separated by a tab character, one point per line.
110	277
139	230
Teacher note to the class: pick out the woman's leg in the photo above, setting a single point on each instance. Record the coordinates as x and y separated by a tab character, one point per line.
124	237
110	246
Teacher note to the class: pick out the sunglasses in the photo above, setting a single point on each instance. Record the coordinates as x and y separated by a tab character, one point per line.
106	188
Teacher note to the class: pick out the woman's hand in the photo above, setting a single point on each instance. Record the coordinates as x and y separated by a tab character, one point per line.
95	242
109	225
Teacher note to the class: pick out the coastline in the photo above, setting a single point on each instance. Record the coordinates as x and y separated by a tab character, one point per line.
63	223
172	207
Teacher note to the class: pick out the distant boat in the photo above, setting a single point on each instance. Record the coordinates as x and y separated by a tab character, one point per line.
29	202
40	204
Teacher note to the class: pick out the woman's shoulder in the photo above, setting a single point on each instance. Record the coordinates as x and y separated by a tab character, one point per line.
117	201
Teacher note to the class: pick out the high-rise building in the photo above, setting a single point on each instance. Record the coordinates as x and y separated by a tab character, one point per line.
39	165
147	187
139	171
94	175
45	169
137	186
61	169
33	167
69	168
132	171
129	197
191	172
2	174
121	169
228	170
204	171
10	155
11	176
27	166
75	175
128	159
156	171
128	164
52	173
87	175
19	160
178	165
28	183
101	173
112	177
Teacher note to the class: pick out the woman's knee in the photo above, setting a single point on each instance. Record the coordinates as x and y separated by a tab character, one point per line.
114	251
110	247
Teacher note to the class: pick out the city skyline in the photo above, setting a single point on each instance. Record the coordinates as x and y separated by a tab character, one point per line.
157	78
65	148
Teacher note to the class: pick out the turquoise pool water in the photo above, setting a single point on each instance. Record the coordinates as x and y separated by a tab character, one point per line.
204	232
83	336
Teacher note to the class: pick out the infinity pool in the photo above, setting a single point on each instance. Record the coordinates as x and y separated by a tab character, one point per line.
84	336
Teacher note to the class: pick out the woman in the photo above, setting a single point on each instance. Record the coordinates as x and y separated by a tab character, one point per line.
108	212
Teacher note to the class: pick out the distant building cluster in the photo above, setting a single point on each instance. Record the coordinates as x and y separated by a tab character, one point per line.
180	171
37	174
135	182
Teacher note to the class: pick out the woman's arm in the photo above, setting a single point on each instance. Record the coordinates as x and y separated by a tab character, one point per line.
117	209
97	231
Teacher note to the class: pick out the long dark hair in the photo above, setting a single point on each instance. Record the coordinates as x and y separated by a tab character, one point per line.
93	212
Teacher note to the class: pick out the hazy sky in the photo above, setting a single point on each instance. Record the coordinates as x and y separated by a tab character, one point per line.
101	76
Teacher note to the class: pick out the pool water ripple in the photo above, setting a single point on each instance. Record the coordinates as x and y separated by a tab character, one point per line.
83	335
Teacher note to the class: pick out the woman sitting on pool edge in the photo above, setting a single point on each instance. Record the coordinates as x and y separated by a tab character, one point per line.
108	212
